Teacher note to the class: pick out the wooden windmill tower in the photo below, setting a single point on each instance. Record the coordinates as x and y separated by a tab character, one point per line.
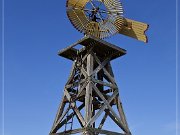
91	86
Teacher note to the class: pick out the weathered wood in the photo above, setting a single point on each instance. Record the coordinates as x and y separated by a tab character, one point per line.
75	84
118	101
75	131
59	112
106	132
84	72
109	69
94	130
110	108
59	125
111	78
100	66
76	110
88	52
103	120
121	112
104	69
100	75
113	86
81	89
89	78
88	97
62	116
117	122
102	108
100	47
72	72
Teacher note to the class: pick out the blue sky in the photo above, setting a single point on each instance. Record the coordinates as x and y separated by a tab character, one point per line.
35	75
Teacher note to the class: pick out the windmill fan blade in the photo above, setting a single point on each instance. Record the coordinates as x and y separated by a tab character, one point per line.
95	18
133	29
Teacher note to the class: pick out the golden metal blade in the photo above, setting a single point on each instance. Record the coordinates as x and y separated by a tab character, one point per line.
81	16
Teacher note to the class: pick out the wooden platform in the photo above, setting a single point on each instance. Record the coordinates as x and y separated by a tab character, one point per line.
100	47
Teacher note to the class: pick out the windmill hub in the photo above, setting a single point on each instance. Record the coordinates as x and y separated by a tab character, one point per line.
96	11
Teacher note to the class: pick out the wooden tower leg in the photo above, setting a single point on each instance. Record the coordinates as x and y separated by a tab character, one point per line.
88	95
91	84
118	101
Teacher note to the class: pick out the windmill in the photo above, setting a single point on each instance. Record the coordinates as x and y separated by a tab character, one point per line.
91	92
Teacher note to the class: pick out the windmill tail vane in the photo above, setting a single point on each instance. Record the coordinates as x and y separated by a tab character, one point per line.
134	29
